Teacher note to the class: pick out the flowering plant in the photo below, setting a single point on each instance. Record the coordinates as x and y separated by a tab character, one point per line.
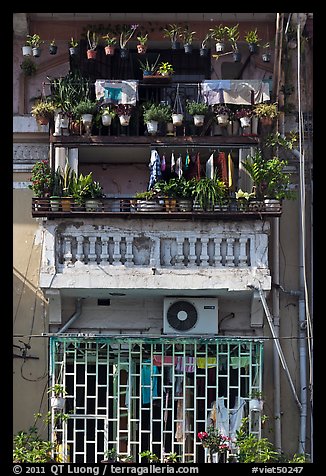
243	112
221	109
41	178
214	440
124	109
126	34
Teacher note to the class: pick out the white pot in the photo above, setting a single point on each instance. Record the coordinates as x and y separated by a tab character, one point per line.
87	118
124	120
57	403
245	121
91	205
199	119
256	405
152	127
220	47
27	50
106	119
177	119
184	205
222	119
272	204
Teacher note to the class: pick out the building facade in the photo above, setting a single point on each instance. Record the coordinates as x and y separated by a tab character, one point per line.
161	320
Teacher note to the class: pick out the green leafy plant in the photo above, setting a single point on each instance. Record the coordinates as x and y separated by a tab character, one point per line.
219	33
165	68
87	106
69	90
44	108
126	34
28	67
110	39
254	450
146	195
173	32
92	39
252	37
187	36
206	39
29	447
151	67
34	41
109	110
57	390
209	192
233	36
214	441
149	456
142	39
171	457
41	178
194	107
156	112
266	110
73	43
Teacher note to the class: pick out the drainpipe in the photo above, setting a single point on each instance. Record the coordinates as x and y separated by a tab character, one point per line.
75	315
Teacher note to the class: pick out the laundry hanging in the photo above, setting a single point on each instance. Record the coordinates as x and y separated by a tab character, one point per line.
178	166
155	169
231	173
222	167
210	167
163	163
172	163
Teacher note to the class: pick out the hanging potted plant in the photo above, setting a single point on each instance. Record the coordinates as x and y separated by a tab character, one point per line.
110	44
154	114
198	110
266	55
73	46
266	112
256	402
222	113
35	42
57	392
53	48
177	110
233	35
218	33
173	32
251	37
126	35
28	66
141	46
27	48
92	39
124	112
107	114
187	37
43	111
203	51
85	110
244	115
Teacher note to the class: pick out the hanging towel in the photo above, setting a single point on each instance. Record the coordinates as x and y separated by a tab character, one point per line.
210	167
116	92
222	167
155	169
172	162
187	161
178	166
198	166
146	383
230	172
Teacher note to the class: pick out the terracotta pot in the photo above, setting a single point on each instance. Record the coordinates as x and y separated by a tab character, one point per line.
266	121
91	54
43	121
109	50
141	49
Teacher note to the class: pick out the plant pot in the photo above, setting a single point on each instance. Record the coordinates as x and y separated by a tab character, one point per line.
184	205
203	52
91	54
222	119
219	47
42	120
106	119
66	204
199	119
266	121
149	206
255	205
57	403
152	127
175	45
272	204
87	119
177	119
170	204
55	203
253	48
188	48
53	49
169	129
236	56
141	49
36	52
92	205
245	121
124	120
124	53
256	405
73	51
27	50
109	50
266	57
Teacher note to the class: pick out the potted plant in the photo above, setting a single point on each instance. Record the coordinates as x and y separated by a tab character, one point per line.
266	54
266	112
57	392
41	179
141	46
256	402
56	191
149	68
27	47
85	110
173	32
93	196
53	48
244	114
233	35
216	443
155	113
124	112
110	43
92	39
222	113
203	51
73	46
169	190
43	111
148	201
219	33
110	456
126	34
67	178
35	42
28	67
198	110
251	37
29	447
107	114
165	69
208	193
187	37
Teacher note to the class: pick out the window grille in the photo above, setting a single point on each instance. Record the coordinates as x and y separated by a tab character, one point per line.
138	394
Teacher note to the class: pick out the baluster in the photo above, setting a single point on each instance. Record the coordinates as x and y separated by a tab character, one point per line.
92	253
217	252
243	259
192	251
116	251
180	256
204	253
229	252
104	252
79	253
67	256
129	253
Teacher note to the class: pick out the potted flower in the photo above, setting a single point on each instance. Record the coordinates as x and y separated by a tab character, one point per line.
149	68
244	114
41	181
233	35
216	443
219	33
57	392
141	46
92	39
107	114
43	111
187	37
73	46
110	43
124	113
266	112
126	35
203	51
173	32
165	69
251	37
198	110
222	113
53	48
266	54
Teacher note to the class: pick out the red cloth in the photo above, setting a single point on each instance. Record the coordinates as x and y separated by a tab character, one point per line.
222	167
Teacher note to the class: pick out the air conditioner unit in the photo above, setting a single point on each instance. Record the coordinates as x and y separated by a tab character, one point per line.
190	316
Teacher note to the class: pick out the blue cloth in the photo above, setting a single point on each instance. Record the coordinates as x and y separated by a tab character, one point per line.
155	169
146	380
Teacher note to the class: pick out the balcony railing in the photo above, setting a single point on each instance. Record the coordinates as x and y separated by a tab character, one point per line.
131	207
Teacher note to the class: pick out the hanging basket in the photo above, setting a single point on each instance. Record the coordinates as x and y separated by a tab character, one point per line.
199	119
106	119
245	121
124	119
177	119
222	119
256	405
57	403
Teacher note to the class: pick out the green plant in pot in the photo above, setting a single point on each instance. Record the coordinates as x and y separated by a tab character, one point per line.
85	111
198	110
173	32
28	67
153	114
233	36
252	38
149	68
266	112
187	37
43	111
57	393
209	193
107	114
41	179
56	192
219	34
165	69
